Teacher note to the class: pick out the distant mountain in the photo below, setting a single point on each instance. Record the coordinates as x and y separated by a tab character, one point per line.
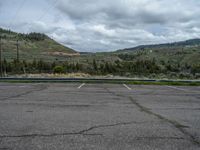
187	43
33	46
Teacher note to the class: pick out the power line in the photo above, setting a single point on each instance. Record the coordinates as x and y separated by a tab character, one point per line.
40	18
17	12
46	11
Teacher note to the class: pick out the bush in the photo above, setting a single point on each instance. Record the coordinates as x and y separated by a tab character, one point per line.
58	69
185	76
197	75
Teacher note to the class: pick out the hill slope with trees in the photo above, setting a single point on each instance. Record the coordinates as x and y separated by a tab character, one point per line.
32	46
40	54
174	45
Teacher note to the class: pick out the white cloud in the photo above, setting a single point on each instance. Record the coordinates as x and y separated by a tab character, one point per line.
102	30
89	25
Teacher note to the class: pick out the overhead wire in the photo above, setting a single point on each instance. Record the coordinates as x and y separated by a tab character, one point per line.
16	13
39	18
47	10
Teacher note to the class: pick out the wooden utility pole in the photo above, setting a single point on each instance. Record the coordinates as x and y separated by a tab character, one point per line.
1	67
17	50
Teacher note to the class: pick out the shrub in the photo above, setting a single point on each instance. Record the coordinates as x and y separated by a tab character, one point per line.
58	69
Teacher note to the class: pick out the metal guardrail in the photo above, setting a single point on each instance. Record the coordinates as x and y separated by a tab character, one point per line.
99	80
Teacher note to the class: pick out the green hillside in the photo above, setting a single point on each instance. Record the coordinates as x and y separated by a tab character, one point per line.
182	53
32	46
40	54
174	45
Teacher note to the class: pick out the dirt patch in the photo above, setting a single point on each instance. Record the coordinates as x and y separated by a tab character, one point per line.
62	54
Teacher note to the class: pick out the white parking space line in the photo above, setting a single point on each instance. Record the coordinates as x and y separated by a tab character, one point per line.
81	85
176	88
127	87
22	86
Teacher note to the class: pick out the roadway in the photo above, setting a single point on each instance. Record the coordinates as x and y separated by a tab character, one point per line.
82	116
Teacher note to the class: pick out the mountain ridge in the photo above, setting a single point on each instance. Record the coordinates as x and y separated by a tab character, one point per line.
189	42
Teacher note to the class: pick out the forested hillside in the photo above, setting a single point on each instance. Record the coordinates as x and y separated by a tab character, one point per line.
32	46
40	54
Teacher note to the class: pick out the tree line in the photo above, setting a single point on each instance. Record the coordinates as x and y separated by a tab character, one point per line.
33	36
122	68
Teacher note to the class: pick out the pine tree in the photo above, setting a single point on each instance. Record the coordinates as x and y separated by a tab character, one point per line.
95	65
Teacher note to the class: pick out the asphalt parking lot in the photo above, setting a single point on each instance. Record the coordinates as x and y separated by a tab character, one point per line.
56	116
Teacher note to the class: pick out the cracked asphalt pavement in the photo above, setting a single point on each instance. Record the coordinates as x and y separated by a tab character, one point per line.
70	116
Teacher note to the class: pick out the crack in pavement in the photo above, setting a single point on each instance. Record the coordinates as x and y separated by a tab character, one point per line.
41	87
52	105
174	123
111	125
159	137
82	132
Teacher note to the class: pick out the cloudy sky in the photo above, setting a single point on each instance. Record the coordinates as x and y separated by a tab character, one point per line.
104	25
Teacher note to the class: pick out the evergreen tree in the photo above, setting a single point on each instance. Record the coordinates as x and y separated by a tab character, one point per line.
95	65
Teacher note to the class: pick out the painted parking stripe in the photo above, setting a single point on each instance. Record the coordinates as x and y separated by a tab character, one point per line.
176	88
81	85
127	87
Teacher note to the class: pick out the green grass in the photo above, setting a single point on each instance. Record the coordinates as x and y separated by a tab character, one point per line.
165	83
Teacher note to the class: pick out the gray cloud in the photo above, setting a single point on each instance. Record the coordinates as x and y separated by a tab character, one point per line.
129	11
89	25
122	23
